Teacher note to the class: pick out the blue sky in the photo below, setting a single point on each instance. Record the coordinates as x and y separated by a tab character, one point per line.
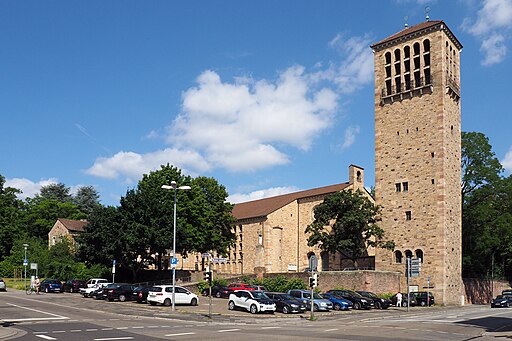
265	96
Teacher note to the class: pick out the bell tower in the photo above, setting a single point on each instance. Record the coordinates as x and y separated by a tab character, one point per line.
418	155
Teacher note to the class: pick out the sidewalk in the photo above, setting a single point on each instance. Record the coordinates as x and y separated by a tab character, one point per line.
7	331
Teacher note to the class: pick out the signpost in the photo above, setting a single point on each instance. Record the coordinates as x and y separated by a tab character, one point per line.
114	271
313	264
174	262
412	269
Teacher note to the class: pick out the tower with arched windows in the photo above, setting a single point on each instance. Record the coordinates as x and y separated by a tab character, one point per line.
418	155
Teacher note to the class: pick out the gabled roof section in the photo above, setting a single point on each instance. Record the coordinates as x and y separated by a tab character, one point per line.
74	225
263	207
416	30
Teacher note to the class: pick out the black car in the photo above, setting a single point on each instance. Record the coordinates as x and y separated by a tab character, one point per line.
422	299
501	301
118	291
140	294
50	285
357	300
219	291
285	303
405	302
379	303
74	285
97	294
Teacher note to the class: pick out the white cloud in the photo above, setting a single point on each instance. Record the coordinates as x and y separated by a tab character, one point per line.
492	27
132	165
261	194
29	188
350	136
507	161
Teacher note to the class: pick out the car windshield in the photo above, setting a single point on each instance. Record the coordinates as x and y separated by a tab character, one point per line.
155	289
368	294
259	294
286	297
315	295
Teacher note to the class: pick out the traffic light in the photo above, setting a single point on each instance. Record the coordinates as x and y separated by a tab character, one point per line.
313	281
208	277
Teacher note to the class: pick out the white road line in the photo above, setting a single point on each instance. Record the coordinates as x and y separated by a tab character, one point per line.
180	334
270	327
141	327
227	330
57	317
46	337
107	328
58	331
331	330
75	330
121	328
114	338
92	330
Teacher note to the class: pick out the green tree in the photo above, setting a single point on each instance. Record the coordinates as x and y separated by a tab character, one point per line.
86	199
346	222
58	192
11	215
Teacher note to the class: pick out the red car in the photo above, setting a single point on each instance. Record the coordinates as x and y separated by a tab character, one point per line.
240	286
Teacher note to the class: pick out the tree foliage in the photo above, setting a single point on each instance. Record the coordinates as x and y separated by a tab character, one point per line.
86	199
346	222
11	214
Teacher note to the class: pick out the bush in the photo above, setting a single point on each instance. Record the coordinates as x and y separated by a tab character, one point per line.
278	283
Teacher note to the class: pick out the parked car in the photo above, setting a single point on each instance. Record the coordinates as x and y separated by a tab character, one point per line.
260	288
338	302
74	285
251	300
404	300
95	282
357	300
118	291
3	286
140	294
378	302
50	285
218	291
285	303
97	293
319	303
241	286
422	299
501	301
162	294
87	292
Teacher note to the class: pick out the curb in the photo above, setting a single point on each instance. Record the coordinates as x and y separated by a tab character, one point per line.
6	332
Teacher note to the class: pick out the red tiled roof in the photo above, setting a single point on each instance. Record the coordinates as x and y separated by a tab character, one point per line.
263	207
416	29
74	225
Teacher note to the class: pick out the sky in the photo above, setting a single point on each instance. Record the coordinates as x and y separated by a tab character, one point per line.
268	97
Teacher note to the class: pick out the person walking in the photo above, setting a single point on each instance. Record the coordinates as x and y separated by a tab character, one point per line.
399	299
38	284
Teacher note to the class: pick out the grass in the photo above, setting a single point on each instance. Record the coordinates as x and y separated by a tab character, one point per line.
16	283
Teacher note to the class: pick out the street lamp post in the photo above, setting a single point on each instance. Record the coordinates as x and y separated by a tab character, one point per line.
25	263
174	187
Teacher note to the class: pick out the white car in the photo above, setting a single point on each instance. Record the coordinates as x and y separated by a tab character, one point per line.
253	301
162	294
98	283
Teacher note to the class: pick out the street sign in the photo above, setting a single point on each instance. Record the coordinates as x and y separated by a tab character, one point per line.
206	255
413	267
25	262
174	261
313	263
33	266
219	260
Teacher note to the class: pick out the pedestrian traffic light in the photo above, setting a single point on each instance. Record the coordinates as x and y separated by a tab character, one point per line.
208	277
313	281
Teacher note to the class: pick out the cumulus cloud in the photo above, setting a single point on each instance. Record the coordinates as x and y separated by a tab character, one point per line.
350	136
28	188
246	124
507	161
492	26
261	194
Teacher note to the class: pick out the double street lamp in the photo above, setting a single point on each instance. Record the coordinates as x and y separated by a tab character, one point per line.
174	187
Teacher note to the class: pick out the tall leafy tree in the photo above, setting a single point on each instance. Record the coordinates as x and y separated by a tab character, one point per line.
58	192
346	222
86	199
11	215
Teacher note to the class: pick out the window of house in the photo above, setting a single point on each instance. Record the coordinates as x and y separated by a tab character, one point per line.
419	254
408	254
398	256
405	186
398	187
408	215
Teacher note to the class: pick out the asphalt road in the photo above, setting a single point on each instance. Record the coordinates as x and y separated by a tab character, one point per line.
71	317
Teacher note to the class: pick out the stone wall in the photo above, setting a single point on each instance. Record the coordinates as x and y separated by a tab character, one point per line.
481	291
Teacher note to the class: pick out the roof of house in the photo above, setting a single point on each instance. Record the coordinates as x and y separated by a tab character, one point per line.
263	207
416	29
74	225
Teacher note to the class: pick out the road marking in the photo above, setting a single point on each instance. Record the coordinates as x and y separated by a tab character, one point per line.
75	330
58	331
107	328
180	334
227	330
121	328
115	338
331	330
46	337
92	330
270	327
57	317
138	327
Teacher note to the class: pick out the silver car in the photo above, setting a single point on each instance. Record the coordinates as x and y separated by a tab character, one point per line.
3	287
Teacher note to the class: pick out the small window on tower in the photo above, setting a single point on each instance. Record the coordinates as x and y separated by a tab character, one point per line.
405	186
408	215
398	187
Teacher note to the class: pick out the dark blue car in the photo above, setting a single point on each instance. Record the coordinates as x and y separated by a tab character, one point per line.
51	285
338	302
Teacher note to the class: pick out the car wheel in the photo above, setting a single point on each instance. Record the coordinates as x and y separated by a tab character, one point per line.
231	305
315	307
193	301
357	305
378	305
70	290
205	292
167	302
152	303
217	294
404	304
337	306
122	298
423	303
46	290
285	310
253	309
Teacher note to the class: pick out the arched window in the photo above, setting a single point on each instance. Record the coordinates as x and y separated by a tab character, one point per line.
408	254
388	57
398	256
419	254
325	261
